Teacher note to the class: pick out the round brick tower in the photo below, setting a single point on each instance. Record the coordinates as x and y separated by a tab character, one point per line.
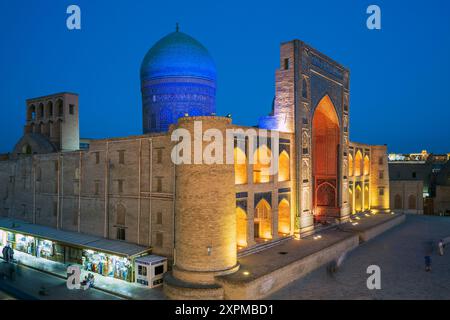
205	222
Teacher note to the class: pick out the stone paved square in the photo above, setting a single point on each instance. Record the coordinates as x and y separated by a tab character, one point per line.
400	255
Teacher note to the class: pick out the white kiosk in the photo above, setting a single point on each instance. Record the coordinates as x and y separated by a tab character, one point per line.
150	270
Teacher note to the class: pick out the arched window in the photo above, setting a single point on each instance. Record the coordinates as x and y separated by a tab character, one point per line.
366	197
283	166
350	165
358	199
60	108
241	227
350	199
120	215
26	149
284	217
41	111
31	115
240	166
262	158
412	200
398	202
357	166
263	220
366	165
49	109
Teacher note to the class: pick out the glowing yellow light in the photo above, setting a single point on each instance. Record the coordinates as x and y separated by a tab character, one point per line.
267	235
355	223
285	230
246	273
367	215
357	218
317	237
242	243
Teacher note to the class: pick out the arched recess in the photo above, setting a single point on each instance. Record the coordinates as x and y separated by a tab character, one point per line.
241	227
59	108
26	149
261	158
263	220
350	165
120	215
325	146
31	114
284	217
366	197
240	166
358	163
283	166
366	165
350	199
358	199
41	111
398	204
412	200
49	110
41	128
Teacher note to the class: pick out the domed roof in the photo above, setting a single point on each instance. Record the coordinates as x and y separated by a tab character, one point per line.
178	55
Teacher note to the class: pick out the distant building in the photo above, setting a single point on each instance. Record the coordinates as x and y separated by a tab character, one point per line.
420	183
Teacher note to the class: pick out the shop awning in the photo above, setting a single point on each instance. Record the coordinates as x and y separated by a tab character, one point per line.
70	238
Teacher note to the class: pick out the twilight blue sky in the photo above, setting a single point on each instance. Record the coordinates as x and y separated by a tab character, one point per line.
399	75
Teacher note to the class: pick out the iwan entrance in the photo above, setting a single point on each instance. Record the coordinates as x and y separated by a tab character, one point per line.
325	153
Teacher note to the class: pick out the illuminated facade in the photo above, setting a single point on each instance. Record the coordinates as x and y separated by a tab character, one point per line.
203	216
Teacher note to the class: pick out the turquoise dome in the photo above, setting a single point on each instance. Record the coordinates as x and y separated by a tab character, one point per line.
178	55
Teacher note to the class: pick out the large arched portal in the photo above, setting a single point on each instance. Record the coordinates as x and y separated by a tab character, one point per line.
325	150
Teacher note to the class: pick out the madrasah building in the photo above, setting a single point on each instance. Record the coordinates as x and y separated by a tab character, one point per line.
201	216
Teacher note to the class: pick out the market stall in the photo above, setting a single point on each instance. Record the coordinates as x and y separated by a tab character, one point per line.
50	250
111	258
25	243
107	265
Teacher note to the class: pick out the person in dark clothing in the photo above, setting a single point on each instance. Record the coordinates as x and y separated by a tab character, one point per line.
427	263
6	253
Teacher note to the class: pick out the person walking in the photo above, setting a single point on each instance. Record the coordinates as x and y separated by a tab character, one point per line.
427	263
441	247
5	253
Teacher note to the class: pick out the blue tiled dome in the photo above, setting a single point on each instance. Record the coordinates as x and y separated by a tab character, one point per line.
178	55
178	77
